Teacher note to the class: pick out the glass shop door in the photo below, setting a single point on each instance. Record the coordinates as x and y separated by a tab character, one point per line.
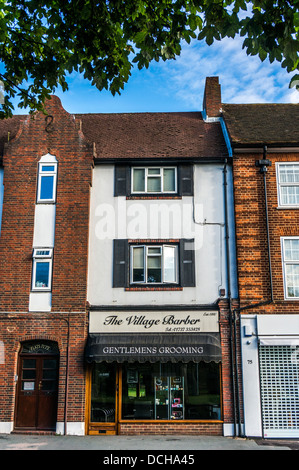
103	412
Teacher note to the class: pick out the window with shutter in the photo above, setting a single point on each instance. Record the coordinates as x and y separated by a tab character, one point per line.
153	180
154	264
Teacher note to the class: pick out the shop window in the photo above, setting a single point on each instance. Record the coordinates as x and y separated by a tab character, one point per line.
290	255
42	269
166	391
288	184
153	180
151	264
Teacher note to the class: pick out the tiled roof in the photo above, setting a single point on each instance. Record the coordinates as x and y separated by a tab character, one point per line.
153	135
250	124
143	135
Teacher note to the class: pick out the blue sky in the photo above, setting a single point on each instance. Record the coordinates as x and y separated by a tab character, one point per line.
177	85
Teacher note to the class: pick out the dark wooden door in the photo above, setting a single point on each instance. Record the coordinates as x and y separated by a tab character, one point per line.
37	392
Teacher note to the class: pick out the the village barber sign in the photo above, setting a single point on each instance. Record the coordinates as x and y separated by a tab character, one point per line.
154	322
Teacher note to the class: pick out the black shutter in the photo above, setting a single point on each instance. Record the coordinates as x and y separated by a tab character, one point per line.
120	263
187	263
186	180
121	180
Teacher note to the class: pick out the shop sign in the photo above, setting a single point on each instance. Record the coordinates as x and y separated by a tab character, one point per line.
154	322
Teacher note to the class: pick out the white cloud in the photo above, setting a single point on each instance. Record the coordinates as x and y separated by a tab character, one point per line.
244	79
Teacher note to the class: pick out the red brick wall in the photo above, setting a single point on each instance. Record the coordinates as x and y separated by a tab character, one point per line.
16	328
63	139
251	236
20	160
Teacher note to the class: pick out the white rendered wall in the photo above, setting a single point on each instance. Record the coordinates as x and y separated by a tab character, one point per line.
201	218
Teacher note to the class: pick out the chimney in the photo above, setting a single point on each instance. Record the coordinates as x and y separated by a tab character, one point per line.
212	98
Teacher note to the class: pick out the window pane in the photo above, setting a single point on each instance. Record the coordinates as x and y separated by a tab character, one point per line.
154	269
169	264
291	250
28	374
46	189
154	171
154	262
154	250
138	180
103	393
48	168
138	258
292	279
154	184
169	179
289	173
29	363
290	195
138	264
42	273
171	391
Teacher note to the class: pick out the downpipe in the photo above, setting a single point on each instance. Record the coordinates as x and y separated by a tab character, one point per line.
262	164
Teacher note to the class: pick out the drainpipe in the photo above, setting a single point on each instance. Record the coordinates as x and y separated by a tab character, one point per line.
232	357
263	164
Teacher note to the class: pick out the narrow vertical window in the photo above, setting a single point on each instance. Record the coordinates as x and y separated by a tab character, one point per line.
42	269
47	179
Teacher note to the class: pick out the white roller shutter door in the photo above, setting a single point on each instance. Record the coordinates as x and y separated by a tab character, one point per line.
279	375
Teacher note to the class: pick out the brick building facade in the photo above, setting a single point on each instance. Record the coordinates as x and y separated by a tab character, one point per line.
44	327
60	276
264	140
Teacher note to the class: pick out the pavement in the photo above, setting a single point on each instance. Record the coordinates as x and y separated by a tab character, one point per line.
114	447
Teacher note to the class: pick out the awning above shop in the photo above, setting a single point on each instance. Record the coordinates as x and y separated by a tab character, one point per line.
154	348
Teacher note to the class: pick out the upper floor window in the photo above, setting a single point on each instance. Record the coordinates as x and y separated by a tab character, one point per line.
154	264
288	184
47	179
154	180
290	254
42	269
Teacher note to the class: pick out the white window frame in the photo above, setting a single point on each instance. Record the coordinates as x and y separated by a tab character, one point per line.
42	171
286	263
282	184
42	255
145	264
147	176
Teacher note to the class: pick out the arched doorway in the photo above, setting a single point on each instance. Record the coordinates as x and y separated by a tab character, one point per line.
37	386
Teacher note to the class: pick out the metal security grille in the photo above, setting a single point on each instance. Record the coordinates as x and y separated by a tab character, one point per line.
279	372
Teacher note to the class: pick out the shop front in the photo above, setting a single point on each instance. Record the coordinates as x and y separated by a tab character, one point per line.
152	368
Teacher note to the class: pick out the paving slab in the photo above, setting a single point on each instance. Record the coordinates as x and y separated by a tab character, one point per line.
116	444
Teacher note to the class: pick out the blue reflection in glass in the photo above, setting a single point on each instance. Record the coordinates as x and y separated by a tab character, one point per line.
46	190
42	274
